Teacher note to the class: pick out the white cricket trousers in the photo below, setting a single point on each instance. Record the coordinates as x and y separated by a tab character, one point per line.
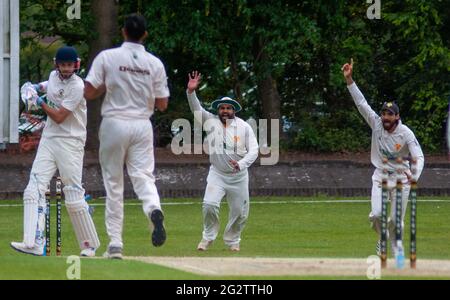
377	191
63	154
127	142
235	188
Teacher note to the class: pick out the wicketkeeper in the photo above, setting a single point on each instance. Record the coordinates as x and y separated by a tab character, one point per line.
233	148
391	140
61	148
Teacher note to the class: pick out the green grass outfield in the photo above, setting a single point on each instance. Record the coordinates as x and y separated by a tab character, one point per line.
277	227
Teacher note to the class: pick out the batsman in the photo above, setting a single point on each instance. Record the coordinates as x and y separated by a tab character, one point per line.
61	148
392	141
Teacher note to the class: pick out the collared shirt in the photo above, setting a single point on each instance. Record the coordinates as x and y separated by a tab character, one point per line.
67	93
133	79
400	143
235	141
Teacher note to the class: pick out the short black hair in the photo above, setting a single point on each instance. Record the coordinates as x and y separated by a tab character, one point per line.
135	27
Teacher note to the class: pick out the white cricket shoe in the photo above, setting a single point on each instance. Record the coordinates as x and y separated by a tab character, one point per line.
394	247
393	243
203	245
88	252
113	253
235	248
20	247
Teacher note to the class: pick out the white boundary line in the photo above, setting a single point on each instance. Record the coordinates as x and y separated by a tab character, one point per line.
251	202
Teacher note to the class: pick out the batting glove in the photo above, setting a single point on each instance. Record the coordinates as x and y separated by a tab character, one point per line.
37	87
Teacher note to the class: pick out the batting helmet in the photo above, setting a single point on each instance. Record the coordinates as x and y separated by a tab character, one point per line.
66	53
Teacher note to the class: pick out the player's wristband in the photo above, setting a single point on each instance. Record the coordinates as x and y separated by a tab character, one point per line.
40	101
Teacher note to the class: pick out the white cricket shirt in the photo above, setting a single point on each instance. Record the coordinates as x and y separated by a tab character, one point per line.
399	143
67	93
133	79
236	141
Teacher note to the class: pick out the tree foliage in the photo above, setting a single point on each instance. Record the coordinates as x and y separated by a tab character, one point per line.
286	56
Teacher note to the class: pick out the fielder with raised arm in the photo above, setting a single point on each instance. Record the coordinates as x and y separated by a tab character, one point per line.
232	148
61	147
390	140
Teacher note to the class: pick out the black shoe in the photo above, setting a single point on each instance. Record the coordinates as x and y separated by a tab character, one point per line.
159	233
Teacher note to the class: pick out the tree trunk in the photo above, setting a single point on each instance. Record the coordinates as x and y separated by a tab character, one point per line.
270	100
106	25
267	87
237	83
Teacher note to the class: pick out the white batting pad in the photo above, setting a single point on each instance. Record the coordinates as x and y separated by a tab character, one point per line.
40	230
81	220
30	220
30	212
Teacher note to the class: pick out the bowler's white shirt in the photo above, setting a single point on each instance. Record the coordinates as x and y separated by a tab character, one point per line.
133	79
399	143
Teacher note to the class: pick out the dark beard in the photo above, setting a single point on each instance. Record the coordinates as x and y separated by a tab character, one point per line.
389	125
224	119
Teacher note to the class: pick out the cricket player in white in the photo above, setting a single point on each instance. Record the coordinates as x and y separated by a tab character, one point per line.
135	83
61	147
390	140
232	149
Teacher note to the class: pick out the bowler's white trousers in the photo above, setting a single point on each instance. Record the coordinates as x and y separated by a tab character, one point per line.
235	188
130	142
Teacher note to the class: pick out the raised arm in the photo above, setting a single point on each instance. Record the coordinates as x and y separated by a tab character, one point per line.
200	114
347	69
364	108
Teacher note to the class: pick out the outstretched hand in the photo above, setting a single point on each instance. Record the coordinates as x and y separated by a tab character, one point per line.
347	70
194	80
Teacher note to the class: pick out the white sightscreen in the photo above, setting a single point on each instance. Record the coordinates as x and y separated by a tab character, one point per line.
9	71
